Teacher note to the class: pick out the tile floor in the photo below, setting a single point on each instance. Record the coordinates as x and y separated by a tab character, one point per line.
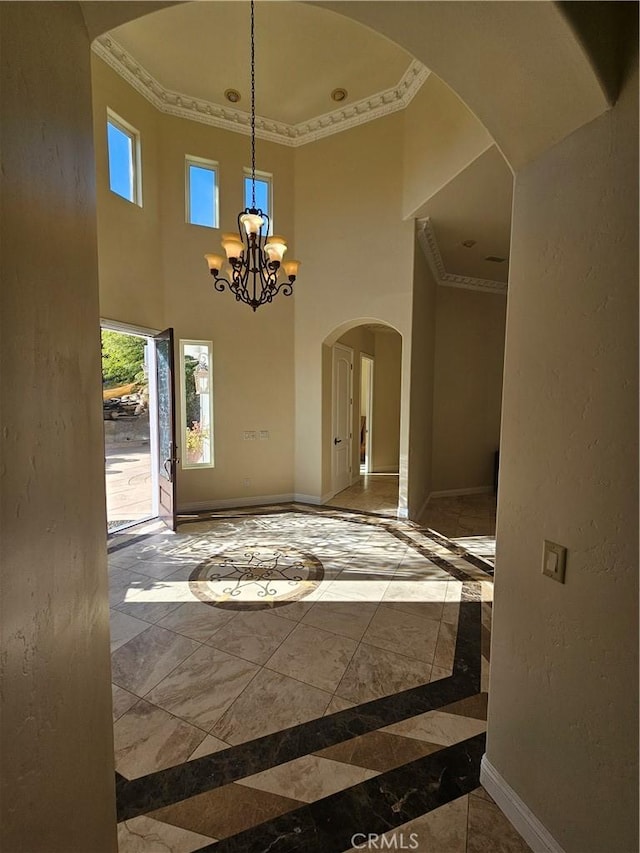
467	520
372	493
296	678
128	482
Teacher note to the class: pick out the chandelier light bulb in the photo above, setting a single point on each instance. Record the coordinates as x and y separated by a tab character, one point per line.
275	247
291	269
232	245
252	222
215	262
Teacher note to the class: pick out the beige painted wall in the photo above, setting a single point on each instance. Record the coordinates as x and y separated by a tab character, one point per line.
387	388
152	272
346	279
57	741
441	138
421	404
467	390
563	716
129	256
253	352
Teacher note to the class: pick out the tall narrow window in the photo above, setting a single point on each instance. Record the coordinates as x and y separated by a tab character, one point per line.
264	199
123	145
202	192
196	381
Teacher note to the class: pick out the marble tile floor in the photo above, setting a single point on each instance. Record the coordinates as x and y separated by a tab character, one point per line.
467	520
376	493
299	674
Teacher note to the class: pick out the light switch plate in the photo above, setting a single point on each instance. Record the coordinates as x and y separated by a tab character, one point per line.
554	561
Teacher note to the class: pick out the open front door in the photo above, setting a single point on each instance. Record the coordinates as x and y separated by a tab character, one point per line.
167	456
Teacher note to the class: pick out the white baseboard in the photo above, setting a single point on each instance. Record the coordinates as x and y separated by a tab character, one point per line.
229	503
517	812
311	499
474	490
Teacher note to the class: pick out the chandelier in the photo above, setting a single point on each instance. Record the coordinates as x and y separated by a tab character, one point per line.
255	271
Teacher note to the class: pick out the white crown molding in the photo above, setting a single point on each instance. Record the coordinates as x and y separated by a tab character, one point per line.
184	106
429	245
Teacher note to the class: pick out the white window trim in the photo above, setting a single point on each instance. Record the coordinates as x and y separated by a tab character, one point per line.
183	407
213	166
263	176
131	131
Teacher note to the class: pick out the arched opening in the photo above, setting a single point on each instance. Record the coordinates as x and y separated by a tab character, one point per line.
361	416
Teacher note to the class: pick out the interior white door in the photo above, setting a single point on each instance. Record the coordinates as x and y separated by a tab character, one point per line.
342	401
366	405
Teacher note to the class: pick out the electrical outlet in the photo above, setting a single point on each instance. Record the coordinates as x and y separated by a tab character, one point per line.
264	434
246	482
554	561
249	435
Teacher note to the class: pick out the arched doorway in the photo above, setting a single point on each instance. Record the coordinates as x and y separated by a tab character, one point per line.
362	388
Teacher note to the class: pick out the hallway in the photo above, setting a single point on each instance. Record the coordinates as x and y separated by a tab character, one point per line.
306	672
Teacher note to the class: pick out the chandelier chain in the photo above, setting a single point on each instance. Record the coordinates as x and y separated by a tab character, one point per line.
255	259
253	110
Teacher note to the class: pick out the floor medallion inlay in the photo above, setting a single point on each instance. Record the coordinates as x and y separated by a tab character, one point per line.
256	577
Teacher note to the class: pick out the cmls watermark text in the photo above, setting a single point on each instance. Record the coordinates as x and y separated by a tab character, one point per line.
399	841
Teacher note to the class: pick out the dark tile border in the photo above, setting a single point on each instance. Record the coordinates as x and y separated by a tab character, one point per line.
376	806
165	787
458	550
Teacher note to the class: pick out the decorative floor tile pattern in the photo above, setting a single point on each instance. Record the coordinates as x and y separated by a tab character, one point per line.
294	726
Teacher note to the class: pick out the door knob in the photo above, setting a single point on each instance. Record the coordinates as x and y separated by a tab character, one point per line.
337	441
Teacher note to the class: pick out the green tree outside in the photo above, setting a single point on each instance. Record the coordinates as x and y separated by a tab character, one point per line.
122	358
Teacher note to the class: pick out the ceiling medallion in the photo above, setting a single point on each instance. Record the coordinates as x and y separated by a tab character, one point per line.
254	257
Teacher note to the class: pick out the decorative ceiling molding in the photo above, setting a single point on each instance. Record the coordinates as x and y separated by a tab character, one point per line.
184	106
429	245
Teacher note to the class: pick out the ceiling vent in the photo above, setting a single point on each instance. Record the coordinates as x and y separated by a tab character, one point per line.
494	259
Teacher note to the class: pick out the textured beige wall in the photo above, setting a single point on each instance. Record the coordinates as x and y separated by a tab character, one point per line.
346	279
165	282
441	138
57	742
467	391
387	389
253	352
563	717
421	404
129	237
